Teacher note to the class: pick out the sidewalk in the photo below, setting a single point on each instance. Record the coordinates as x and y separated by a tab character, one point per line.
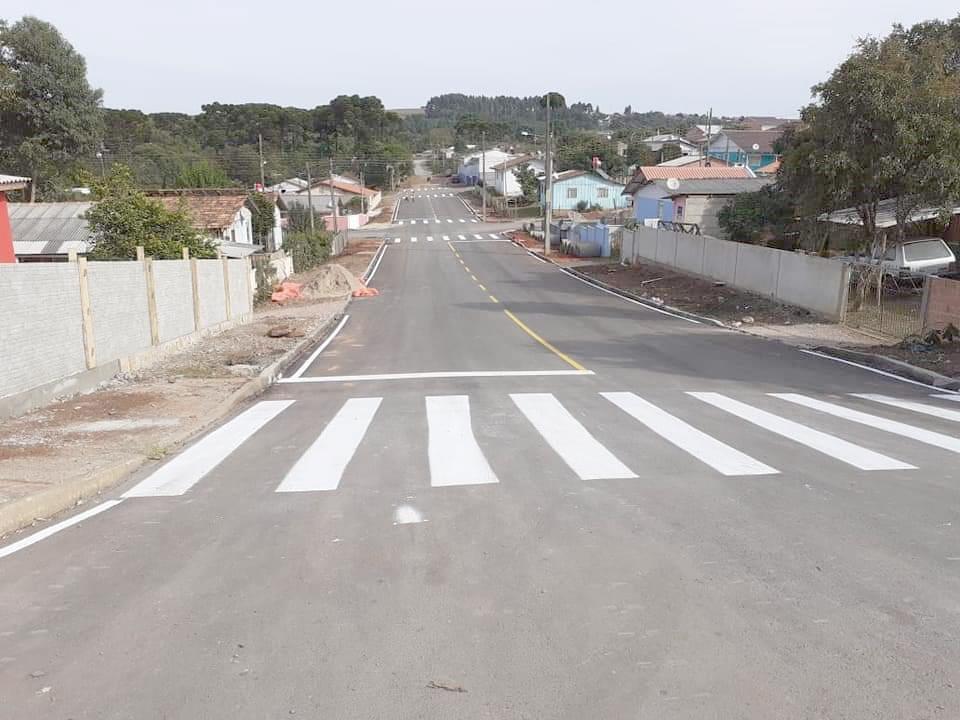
66	453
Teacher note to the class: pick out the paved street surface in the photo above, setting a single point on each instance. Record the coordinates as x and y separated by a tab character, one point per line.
499	492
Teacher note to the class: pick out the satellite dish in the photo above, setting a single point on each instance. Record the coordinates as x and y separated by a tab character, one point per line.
756	146
673	183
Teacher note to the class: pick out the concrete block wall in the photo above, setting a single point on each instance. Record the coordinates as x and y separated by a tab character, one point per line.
41	327
66	326
808	281
240	297
174	292
213	306
118	305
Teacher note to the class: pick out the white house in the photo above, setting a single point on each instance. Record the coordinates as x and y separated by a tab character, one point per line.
657	142
473	166
505	177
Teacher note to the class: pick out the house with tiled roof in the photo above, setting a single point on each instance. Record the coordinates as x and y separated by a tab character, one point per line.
575	189
651	186
224	216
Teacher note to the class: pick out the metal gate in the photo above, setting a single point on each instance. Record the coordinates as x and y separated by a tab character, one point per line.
884	303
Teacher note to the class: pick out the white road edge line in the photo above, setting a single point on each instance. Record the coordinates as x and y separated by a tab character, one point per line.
54	529
376	266
323	346
433	375
874	370
629	300
322	466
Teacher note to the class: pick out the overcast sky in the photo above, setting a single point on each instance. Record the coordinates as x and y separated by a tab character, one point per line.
738	56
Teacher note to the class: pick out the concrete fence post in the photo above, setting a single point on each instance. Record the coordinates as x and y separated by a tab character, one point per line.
226	285
185	253
86	314
195	286
151	301
140	253
248	271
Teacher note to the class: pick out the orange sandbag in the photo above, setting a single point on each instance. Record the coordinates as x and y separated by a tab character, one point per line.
366	292
286	291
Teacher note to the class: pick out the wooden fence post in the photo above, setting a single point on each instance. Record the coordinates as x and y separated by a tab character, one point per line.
86	316
226	285
151	300
195	282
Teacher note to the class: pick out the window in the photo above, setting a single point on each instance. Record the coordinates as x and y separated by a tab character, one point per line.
603	192
571	193
678	213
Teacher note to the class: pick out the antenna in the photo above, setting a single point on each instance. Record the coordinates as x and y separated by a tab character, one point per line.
673	184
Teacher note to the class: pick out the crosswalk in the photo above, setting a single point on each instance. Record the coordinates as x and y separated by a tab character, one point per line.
438	221
448	238
589	445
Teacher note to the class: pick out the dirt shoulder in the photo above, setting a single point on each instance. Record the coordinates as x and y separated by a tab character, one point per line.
733	307
65	453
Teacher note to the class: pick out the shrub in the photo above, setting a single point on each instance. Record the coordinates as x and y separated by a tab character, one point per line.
308	248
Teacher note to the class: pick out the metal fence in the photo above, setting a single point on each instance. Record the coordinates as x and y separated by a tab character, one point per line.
884	303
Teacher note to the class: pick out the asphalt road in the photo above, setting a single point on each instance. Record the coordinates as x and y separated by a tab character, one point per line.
495	479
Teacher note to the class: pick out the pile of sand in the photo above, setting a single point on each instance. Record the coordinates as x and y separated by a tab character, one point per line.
330	281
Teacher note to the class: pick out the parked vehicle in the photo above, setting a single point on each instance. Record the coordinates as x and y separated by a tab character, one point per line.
923	256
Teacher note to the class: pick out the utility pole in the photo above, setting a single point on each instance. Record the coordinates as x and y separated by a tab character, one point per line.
548	188
333	199
706	153
263	182
310	198
363	199
483	173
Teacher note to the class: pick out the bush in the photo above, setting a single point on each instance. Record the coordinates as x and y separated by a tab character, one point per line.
308	248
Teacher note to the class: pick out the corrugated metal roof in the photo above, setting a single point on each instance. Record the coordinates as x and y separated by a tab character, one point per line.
49	228
715	186
747	139
886	215
13	182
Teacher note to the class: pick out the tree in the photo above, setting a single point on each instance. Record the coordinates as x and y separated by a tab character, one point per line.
263	217
529	183
123	218
884	126
49	114
755	216
203	174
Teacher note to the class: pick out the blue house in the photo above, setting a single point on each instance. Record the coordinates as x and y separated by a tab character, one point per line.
573	187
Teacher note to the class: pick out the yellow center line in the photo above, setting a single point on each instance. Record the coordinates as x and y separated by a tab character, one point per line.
475	278
566	358
465	267
494	299
481	286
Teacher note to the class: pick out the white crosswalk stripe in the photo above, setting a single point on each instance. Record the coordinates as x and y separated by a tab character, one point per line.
570	440
396	240
189	467
429	238
400	222
946	396
454	455
462	220
413	239
875	421
718	455
449	220
474	220
493	237
461	237
321	467
478	237
834	447
446	238
933	410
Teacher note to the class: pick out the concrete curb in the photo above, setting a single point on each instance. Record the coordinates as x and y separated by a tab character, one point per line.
23	512
892	366
625	293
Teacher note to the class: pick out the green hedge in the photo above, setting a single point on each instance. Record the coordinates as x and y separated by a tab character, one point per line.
308	248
